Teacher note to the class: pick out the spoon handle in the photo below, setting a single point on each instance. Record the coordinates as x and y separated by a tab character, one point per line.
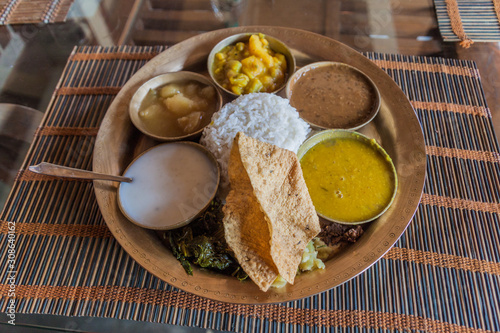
62	171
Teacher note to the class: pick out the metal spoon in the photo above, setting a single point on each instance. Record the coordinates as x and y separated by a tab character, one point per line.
66	172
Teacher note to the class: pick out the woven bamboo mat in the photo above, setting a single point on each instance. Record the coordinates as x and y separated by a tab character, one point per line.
443	275
33	11
468	21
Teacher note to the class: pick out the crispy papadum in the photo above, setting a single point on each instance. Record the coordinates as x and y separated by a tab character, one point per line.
268	192
245	227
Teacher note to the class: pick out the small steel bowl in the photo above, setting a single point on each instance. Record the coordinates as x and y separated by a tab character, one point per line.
275	44
339	134
159	81
357	121
190	209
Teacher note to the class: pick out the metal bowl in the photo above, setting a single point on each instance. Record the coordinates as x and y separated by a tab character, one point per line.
350	73
141	187
340	134
159	81
275	44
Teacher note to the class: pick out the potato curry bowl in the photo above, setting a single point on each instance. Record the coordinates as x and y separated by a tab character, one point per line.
250	62
174	106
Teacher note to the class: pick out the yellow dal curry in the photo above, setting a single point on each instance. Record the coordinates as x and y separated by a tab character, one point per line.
348	180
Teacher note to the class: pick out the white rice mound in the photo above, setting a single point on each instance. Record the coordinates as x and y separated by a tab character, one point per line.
263	116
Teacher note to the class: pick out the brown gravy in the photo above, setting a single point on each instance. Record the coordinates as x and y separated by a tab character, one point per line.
334	96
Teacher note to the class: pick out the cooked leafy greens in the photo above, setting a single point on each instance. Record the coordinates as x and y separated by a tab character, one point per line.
202	243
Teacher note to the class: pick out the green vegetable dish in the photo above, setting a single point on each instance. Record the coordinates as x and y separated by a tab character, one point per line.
202	243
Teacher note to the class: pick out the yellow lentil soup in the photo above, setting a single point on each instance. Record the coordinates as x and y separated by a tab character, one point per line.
349	180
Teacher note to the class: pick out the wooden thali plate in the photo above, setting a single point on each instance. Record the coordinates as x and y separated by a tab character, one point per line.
396	128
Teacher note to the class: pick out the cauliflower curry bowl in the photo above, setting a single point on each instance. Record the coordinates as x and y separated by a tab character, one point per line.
249	63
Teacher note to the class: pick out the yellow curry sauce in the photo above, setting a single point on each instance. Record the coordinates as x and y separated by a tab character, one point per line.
348	180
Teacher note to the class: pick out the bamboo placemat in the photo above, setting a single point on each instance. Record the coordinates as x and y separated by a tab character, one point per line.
443	275
468	21
33	11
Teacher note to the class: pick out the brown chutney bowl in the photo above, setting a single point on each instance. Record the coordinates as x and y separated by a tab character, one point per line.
333	95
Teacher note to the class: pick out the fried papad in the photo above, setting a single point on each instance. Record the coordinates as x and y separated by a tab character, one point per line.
272	181
280	188
245	227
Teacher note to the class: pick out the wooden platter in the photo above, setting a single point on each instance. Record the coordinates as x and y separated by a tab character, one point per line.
396	128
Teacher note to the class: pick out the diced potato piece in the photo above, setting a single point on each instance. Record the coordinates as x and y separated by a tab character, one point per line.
319	264
230	73
280	58
179	105
233	65
266	80
308	257
191	122
263	40
279	282
252	66
169	90
200	104
257	48
152	111
237	90
310	260
324	251
253	86
191	89
208	92
276	72
240	80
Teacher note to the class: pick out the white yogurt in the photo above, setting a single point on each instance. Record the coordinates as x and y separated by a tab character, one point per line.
171	183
